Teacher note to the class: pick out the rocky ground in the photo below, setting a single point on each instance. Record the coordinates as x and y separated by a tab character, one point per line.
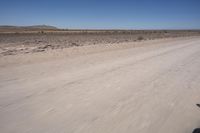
20	43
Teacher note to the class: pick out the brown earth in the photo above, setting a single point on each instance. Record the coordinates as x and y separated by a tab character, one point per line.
43	40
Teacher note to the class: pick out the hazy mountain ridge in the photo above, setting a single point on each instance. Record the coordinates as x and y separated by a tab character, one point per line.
28	27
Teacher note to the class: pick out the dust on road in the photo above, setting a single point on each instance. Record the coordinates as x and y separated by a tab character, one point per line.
152	89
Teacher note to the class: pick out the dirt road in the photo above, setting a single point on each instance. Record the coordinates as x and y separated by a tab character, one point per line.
148	89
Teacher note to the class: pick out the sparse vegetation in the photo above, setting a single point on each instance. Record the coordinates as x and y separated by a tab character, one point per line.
43	39
140	38
75	44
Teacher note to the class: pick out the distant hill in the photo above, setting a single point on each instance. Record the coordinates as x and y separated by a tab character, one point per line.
27	27
42	27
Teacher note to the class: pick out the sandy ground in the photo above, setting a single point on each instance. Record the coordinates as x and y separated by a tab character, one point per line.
125	89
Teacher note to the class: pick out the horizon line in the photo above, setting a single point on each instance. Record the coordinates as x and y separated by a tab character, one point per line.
65	28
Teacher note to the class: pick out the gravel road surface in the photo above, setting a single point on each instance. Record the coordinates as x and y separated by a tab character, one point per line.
147	89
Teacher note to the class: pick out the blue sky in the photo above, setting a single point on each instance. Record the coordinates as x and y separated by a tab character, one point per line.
103	14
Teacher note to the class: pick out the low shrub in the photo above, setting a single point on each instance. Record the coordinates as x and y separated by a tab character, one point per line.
140	38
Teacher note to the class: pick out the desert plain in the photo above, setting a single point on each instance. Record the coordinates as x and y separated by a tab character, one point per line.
107	81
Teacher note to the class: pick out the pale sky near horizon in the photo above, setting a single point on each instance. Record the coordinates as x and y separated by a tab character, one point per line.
102	14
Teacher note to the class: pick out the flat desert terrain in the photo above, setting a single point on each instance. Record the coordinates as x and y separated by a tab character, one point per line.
117	86
33	41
